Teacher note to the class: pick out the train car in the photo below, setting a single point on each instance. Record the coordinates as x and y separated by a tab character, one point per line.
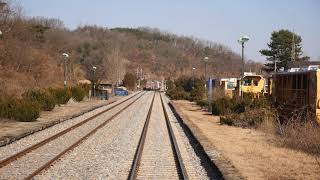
297	90
253	83
228	86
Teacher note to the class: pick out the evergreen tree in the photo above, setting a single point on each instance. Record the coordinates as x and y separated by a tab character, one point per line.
281	50
129	81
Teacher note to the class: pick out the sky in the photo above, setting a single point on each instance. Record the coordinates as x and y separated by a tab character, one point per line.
221	21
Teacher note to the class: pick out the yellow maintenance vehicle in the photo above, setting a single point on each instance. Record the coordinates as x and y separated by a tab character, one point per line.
253	83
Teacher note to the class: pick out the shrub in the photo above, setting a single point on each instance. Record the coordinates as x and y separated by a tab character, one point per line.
25	110
61	95
45	99
202	103
249	119
197	93
19	109
221	106
238	107
78	93
6	104
226	120
177	93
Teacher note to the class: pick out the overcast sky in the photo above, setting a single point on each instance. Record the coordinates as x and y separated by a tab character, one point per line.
221	21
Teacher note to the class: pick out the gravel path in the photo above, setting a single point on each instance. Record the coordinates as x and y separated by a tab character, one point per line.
40	156
109	153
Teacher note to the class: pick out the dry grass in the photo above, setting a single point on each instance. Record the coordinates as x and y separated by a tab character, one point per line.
299	132
304	136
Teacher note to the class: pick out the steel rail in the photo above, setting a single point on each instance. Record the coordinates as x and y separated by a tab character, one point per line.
137	157
49	163
174	143
20	154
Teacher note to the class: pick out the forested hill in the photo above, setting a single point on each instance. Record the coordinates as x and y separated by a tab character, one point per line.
31	53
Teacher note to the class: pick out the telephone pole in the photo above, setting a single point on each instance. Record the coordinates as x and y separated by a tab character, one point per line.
293	51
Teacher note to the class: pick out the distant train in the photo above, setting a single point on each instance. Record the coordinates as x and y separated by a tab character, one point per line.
152	85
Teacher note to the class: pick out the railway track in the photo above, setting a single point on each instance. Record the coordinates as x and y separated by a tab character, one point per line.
40	156
157	155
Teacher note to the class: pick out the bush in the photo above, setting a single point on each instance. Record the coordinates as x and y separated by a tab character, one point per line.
177	93
248	119
19	109
25	110
78	93
222	106
202	103
197	93
61	95
45	99
6	104
226	120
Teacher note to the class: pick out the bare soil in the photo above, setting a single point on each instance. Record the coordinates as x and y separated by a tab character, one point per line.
11	130
252	153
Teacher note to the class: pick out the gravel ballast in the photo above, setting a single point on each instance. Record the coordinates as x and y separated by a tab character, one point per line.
25	165
109	153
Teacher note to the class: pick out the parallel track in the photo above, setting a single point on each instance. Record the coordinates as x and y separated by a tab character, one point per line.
180	168
28	150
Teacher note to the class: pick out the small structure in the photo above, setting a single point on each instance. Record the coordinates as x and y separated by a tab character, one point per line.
228	86
253	83
104	89
298	89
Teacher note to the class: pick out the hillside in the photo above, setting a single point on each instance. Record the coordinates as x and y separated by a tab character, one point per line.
31	48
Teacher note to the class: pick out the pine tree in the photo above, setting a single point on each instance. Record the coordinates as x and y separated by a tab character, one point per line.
281	50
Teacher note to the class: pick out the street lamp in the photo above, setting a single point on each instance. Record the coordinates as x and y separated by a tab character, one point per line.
65	57
241	41
193	77
94	68
206	60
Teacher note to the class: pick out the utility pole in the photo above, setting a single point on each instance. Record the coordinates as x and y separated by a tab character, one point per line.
193	77
94	80
293	51
275	64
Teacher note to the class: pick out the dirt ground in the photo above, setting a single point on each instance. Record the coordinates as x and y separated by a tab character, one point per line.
11	130
252	153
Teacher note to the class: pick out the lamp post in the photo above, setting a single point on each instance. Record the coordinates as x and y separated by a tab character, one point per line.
206	60
193	77
94	68
65	57
241	41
